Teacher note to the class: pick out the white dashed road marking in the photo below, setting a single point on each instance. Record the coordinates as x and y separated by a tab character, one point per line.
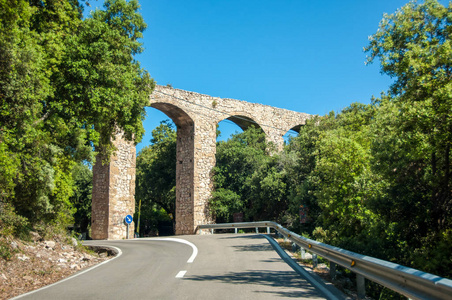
181	274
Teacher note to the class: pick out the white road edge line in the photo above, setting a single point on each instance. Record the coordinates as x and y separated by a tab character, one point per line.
181	274
195	249
75	275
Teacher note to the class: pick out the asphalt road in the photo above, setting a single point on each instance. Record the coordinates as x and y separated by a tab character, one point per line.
223	266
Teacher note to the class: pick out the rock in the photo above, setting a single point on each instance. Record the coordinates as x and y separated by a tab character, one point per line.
35	236
74	266
62	260
50	244
103	254
4	277
14	245
29	278
74	242
23	258
42	254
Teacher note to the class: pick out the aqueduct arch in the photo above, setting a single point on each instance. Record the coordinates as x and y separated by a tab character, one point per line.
196	116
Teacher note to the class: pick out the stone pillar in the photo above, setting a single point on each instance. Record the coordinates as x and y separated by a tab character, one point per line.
184	179
275	136
100	200
195	161
114	193
205	148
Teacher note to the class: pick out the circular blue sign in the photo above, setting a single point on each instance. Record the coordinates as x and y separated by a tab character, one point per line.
128	219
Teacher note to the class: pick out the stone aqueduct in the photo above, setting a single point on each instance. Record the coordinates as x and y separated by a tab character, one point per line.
196	117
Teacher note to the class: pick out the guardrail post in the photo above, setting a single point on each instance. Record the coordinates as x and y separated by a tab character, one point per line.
360	286
268	230
235	229
332	270
295	247
257	229
211	231
302	253
314	261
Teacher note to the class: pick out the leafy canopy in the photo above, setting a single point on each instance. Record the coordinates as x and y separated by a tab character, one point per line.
67	85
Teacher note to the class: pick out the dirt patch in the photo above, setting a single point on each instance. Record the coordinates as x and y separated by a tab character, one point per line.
32	265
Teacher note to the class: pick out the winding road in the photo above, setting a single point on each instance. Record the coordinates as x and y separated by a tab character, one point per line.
223	266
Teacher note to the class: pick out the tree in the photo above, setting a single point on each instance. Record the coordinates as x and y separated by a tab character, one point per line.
82	177
40	181
102	87
299	161
344	182
247	179
414	156
66	85
156	173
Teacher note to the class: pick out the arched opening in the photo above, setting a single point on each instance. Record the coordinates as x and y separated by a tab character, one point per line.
291	133
163	171
245	142
234	125
225	130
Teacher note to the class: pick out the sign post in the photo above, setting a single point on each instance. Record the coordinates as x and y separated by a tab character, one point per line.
304	214
128	220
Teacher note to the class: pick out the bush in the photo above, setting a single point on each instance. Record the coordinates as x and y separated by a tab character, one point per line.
11	223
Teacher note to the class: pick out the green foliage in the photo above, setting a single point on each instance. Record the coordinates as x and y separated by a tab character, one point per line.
247	179
413	156
224	203
82	176
66	86
377	177
103	87
152	217
11	223
156	174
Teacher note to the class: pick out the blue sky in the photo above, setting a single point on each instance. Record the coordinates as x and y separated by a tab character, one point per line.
299	55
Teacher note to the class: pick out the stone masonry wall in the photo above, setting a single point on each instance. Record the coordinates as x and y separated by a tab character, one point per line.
196	116
114	193
122	189
100	200
184	180
205	112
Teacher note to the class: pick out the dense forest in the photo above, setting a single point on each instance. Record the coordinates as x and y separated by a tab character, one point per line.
375	178
67	85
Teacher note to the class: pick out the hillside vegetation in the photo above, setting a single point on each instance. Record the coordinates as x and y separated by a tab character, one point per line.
67	85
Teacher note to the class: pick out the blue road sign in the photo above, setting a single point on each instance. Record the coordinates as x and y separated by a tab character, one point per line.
128	219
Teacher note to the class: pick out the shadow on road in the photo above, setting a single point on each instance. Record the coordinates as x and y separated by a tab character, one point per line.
250	247
288	284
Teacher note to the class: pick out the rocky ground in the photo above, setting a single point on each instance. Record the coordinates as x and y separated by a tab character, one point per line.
37	263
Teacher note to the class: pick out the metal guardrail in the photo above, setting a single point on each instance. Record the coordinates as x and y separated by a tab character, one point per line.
409	282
